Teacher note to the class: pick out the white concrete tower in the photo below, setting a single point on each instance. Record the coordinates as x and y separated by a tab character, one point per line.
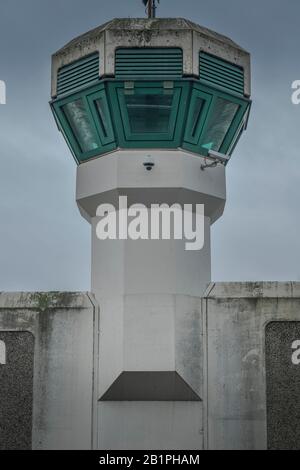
175	95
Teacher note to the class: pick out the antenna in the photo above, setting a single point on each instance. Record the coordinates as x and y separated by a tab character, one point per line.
151	7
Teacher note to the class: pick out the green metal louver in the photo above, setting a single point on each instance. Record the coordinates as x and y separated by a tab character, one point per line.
149	63
78	74
218	72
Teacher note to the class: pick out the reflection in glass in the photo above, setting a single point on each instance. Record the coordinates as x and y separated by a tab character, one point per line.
198	106
149	113
101	114
237	137
218	124
81	126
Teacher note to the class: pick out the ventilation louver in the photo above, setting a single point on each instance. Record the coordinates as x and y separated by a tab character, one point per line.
218	72
78	75
149	63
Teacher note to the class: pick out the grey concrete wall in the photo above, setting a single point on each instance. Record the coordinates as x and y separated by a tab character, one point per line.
239	352
57	406
16	390
236	401
283	384
165	425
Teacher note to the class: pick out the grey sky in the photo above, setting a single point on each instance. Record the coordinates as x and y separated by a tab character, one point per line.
44	242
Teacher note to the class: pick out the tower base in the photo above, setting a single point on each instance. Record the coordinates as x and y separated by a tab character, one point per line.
250	351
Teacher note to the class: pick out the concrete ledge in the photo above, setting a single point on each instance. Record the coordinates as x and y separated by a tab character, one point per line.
44	300
267	289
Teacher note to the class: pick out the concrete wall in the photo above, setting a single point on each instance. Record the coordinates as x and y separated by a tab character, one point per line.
60	385
150	425
237	400
242	345
16	390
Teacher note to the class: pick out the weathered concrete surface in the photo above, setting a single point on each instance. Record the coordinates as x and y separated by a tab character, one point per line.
283	384
150	425
151	334
63	326
235	318
235	353
16	390
143	32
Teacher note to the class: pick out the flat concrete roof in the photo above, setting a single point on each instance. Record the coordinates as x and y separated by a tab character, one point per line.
139	24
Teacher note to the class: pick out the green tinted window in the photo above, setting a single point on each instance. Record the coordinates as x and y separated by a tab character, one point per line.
155	114
198	107
149	113
101	110
83	130
218	124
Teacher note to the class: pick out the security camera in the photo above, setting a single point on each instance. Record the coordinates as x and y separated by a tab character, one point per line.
219	157
149	163
216	158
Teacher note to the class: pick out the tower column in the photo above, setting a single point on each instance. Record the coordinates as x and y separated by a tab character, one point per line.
149	291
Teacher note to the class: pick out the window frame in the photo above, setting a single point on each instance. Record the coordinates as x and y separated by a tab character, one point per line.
104	145
92	98
128	139
229	136
185	92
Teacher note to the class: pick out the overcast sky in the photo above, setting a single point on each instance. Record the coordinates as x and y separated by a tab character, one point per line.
44	242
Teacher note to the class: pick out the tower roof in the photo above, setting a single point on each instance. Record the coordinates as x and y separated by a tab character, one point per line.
151	25
156	33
